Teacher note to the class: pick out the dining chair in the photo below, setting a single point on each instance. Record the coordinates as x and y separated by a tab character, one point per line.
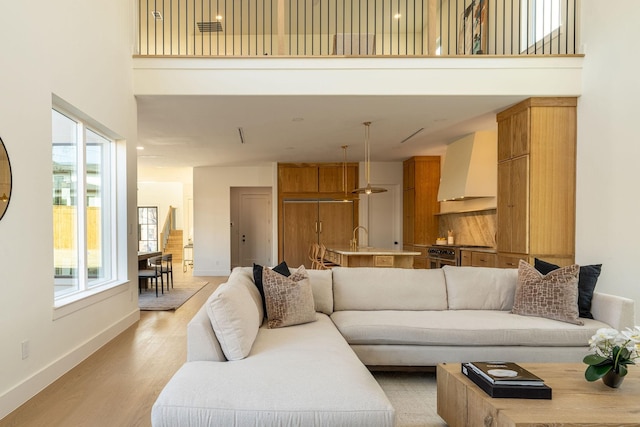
152	272
166	268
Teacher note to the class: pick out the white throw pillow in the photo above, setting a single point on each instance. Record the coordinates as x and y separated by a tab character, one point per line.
322	287
480	288
234	318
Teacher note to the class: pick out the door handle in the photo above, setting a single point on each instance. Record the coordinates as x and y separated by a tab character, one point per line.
316	226
321	226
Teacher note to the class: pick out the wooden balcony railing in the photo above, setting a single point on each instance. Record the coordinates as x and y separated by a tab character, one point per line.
356	27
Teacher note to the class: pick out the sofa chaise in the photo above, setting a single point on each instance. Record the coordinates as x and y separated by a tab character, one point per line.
315	374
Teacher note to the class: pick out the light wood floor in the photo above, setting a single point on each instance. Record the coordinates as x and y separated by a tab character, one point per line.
117	385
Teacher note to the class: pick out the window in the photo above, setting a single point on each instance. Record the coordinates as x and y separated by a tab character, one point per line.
83	202
147	229
541	22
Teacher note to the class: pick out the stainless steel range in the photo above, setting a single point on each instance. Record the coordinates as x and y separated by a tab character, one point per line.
441	255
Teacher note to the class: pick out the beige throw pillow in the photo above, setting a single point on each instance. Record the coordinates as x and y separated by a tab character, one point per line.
289	299
554	295
234	318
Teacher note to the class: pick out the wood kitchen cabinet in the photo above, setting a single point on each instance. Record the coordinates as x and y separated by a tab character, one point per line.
306	222
536	181
314	208
513	205
421	178
317	178
478	258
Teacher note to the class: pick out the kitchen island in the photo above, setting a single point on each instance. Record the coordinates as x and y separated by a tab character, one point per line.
370	257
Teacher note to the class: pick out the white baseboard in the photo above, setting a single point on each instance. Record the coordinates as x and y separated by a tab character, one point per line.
16	396
197	272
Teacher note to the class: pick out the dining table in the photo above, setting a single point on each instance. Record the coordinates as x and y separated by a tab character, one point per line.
144	256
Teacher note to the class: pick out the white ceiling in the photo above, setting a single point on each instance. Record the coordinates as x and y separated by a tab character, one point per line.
190	131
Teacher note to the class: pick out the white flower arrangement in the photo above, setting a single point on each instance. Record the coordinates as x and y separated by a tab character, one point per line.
613	351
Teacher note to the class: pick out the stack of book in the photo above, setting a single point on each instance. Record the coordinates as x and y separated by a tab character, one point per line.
506	379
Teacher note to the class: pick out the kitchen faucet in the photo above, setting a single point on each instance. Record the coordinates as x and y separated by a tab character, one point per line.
354	242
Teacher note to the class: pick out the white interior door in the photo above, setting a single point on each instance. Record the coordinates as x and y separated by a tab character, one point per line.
254	229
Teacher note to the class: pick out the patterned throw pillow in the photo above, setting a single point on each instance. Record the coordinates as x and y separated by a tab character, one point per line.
289	299
281	268
587	280
554	296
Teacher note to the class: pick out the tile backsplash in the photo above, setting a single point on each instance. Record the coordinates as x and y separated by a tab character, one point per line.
470	228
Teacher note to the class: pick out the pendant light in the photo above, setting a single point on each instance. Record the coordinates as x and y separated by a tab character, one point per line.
367	166
344	173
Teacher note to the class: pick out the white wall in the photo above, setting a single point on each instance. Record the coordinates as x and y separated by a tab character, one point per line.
608	200
167	186
387	175
163	195
212	213
81	52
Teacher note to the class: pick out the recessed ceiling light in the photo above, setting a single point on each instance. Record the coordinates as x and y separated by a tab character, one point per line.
219	17
140	147
397	16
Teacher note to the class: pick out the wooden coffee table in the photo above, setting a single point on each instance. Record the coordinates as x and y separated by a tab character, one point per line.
576	402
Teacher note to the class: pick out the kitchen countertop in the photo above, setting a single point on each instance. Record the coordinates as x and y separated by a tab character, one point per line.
370	251
477	249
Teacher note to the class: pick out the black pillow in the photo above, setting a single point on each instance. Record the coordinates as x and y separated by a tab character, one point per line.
586	283
281	268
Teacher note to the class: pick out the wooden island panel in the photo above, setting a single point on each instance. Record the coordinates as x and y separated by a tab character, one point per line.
371	257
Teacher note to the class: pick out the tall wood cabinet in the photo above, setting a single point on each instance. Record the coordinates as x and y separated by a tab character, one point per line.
537	181
315	206
325	222
421	178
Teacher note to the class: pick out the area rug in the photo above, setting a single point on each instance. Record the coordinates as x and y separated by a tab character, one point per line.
413	395
171	299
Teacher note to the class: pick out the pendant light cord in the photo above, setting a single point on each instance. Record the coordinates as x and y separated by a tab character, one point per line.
367	153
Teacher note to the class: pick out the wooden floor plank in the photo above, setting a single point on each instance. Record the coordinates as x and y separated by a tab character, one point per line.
117	385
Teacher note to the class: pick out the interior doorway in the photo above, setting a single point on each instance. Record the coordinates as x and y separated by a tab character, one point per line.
251	226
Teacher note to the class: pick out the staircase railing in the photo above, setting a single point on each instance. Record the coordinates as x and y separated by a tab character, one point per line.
357	27
169	224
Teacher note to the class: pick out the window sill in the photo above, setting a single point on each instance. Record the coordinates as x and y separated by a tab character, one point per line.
70	304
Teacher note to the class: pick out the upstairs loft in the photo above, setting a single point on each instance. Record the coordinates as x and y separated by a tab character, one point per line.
398	28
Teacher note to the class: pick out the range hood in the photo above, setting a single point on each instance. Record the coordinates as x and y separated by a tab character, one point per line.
470	168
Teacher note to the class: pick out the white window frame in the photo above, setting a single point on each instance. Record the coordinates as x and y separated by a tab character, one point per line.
87	286
535	32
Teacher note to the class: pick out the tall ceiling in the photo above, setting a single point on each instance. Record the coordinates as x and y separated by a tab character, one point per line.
191	131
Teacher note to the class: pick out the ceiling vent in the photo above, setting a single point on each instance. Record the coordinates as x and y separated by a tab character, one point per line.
156	15
210	27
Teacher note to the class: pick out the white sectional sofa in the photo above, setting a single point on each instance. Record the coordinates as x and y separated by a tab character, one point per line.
314	374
